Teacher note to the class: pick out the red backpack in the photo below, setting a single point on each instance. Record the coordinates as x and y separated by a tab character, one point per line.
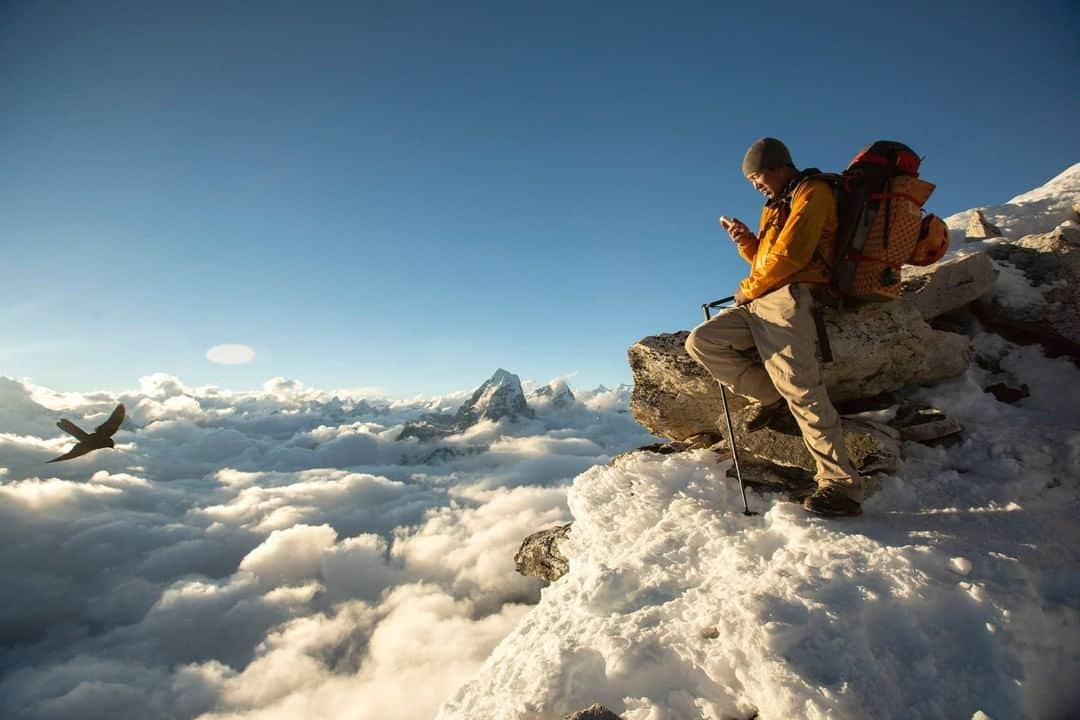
880	222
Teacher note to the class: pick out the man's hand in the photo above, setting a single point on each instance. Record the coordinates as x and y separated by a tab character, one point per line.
740	298
737	229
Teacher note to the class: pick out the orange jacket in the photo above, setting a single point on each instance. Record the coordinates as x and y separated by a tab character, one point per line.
783	251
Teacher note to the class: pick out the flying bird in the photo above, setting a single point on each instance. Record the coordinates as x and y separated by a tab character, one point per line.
88	442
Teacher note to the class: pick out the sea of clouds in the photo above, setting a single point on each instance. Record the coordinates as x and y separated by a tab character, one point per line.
270	554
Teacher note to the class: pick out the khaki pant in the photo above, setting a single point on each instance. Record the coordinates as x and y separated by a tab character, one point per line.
781	326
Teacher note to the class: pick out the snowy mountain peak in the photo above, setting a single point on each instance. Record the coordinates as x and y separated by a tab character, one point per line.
555	394
500	396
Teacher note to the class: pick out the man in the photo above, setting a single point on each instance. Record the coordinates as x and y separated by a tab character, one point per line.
773	311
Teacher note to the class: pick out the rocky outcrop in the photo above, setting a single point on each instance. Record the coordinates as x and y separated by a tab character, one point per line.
948	285
924	424
879	347
539	554
500	396
593	712
1038	299
673	395
872	446
979	228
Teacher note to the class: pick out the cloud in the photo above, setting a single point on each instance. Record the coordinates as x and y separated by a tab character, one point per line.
471	549
289	556
260	553
230	354
418	646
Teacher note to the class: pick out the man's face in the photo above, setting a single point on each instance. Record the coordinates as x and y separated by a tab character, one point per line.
767	182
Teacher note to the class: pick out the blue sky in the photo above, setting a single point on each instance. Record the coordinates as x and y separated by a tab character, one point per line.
410	195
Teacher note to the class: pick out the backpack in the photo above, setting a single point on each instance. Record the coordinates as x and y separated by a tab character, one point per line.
879	199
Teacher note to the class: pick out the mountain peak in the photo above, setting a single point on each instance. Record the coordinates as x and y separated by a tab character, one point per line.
555	394
500	396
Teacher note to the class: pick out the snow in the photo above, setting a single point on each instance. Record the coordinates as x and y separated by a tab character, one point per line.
957	593
1037	211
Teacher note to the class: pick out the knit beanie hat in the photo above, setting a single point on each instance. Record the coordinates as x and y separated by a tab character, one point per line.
766	154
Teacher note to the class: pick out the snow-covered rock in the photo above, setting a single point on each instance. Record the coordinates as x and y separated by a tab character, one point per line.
500	396
954	595
539	554
1037	211
1037	296
556	394
596	711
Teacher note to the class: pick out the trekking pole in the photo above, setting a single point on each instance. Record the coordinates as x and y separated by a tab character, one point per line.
707	307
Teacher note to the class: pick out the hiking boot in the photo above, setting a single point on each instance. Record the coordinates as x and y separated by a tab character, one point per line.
765	415
831	501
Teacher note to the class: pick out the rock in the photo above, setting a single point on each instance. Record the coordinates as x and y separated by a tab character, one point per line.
593	712
700	441
430	426
878	347
673	395
796	482
1037	297
872	446
1008	392
539	554
979	228
949	284
923	424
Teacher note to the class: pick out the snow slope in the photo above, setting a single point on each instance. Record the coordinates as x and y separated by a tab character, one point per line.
1037	211
956	594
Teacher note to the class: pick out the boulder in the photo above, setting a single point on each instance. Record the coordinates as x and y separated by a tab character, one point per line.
1037	298
539	554
872	446
1008	392
877	348
674	396
979	228
923	424
948	285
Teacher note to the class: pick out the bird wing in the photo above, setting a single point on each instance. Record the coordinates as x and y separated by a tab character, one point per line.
79	449
110	426
72	429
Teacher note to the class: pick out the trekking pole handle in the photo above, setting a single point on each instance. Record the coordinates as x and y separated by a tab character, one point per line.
706	307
